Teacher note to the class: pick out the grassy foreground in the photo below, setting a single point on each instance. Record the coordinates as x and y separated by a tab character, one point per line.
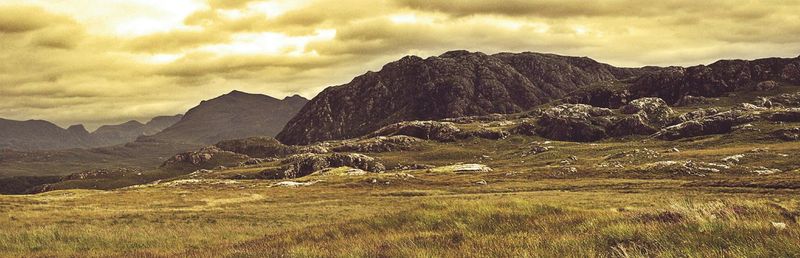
358	218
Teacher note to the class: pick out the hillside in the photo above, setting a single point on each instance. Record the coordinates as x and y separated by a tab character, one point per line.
231	116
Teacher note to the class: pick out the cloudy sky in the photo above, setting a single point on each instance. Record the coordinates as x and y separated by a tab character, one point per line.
109	61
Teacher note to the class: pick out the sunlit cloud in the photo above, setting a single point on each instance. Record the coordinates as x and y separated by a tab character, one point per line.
71	61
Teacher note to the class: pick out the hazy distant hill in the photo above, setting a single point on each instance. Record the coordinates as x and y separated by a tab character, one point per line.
129	131
43	135
231	116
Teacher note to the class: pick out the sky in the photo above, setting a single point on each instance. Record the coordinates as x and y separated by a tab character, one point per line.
109	61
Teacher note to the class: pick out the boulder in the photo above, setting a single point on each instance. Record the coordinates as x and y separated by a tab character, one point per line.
574	122
653	110
428	130
380	144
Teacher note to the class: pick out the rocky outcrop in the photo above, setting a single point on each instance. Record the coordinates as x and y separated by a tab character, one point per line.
653	110
690	100
766	85
713	124
455	84
380	144
484	133
206	158
258	147
789	134
428	130
717	79
786	115
235	115
575	122
304	164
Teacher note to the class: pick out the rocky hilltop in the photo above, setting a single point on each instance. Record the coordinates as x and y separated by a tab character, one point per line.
461	83
231	116
455	84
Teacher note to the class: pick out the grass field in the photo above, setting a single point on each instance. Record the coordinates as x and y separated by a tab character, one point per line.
726	195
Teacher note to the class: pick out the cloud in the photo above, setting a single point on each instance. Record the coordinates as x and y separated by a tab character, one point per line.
72	61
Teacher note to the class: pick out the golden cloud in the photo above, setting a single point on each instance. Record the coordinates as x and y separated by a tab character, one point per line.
64	65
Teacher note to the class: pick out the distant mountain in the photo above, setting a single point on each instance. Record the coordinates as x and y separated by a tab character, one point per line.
457	83
232	116
129	131
43	135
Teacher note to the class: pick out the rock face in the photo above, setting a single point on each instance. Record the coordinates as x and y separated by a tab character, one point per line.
673	83
455	84
232	116
304	164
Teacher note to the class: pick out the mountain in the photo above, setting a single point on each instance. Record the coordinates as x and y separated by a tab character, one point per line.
39	134
232	116
43	135
457	83
127	132
461	83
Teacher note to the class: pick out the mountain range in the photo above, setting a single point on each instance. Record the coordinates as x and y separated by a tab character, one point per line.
454	84
44	135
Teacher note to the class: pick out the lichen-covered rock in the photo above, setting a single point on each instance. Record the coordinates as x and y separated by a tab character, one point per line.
574	122
428	130
653	110
380	144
